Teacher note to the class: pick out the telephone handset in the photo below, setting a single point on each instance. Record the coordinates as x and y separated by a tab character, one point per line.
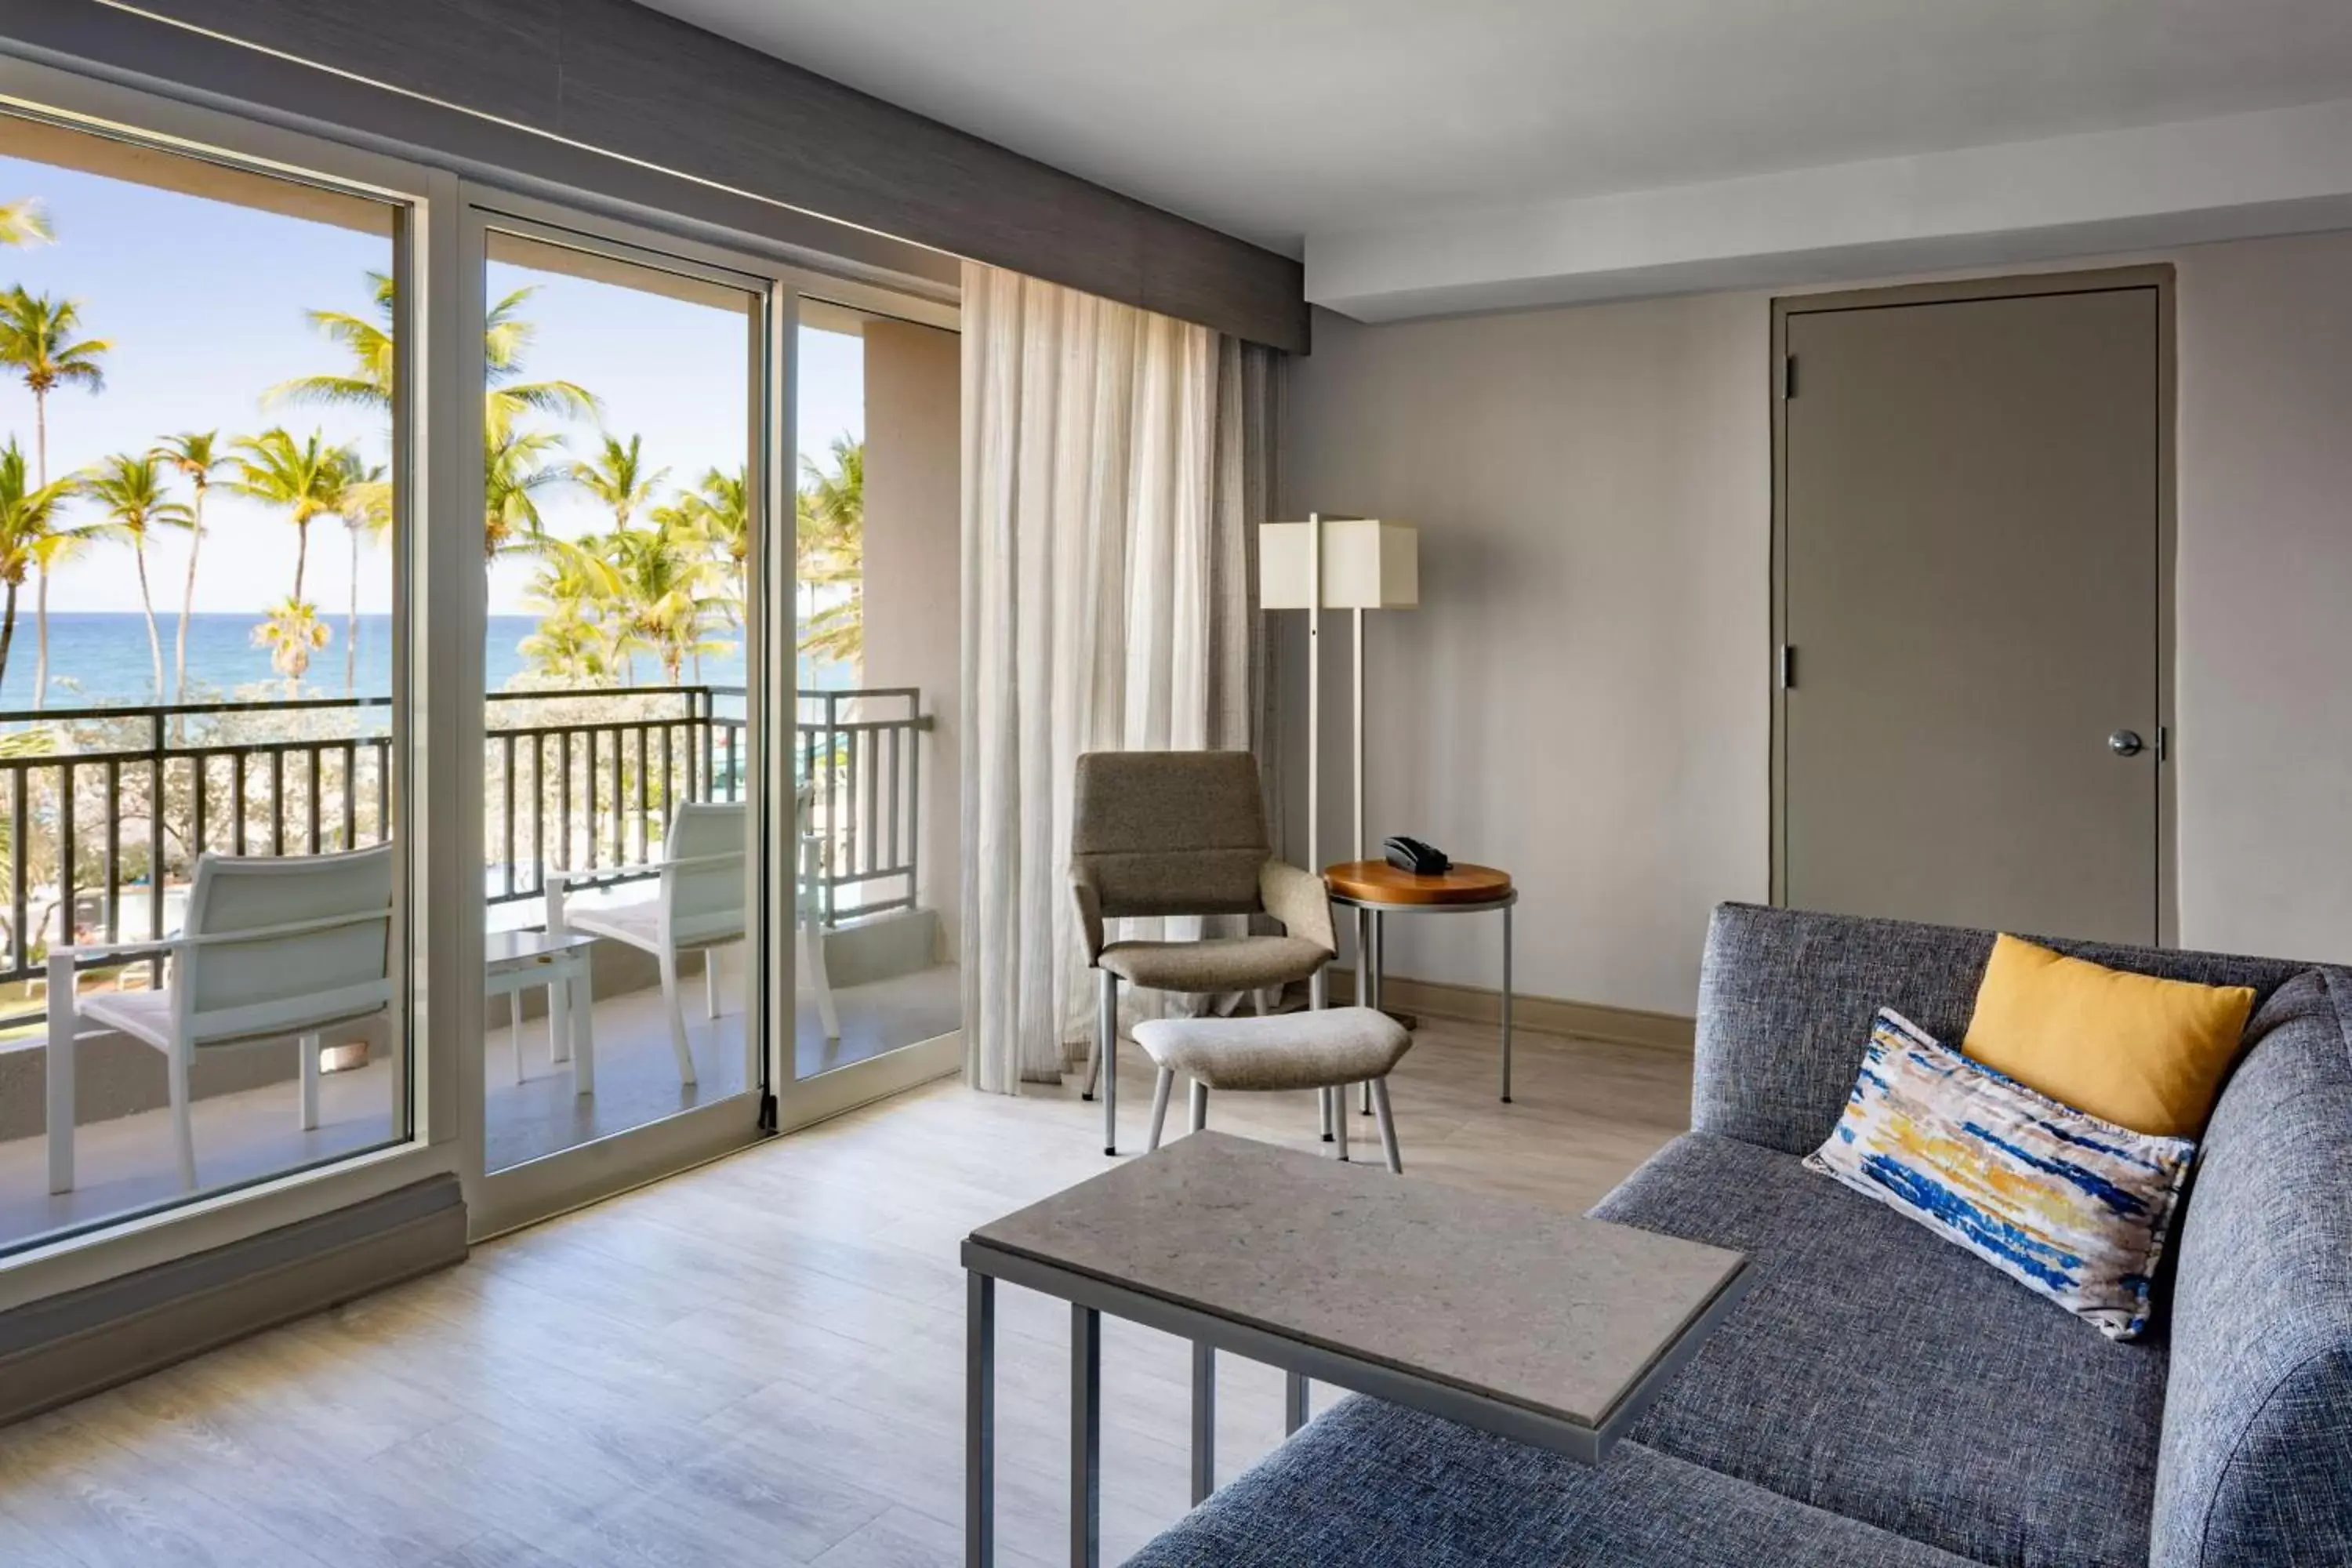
1421	859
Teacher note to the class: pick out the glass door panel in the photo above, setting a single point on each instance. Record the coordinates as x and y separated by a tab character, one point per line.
626	394
878	663
201	489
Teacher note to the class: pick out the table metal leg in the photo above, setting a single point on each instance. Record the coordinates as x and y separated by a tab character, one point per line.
1506	1004
980	1421
1086	1436
1379	959
514	1021
1204	1422
1293	1401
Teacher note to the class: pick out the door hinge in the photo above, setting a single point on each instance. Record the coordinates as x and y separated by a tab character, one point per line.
1785	667
1789	376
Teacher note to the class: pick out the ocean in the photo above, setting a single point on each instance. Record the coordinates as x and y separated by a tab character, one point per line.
100	661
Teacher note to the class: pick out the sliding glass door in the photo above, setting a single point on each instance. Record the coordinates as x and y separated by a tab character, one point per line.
628	390
878	585
206	486
444	583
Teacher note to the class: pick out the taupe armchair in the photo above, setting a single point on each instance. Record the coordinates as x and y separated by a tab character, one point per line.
1183	833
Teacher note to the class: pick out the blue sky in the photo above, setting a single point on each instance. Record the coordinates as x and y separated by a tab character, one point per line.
204	304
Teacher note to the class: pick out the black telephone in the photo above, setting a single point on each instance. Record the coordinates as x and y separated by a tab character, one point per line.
1421	859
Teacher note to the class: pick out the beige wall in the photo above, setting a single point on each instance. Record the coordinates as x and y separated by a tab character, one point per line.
1583	696
1580	697
913	567
2265	596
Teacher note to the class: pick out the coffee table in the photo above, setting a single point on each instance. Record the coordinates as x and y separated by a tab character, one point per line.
1527	1323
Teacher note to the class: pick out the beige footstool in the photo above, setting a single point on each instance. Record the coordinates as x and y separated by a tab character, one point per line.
1327	1050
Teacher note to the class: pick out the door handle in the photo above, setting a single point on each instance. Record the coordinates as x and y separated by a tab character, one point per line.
2126	743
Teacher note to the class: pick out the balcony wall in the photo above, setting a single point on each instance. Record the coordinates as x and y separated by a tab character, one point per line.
913	589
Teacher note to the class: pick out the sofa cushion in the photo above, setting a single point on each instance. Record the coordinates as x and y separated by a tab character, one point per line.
2257	1459
2069	1206
1877	1372
1368	1485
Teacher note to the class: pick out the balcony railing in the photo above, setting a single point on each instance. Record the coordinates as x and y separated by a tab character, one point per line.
574	781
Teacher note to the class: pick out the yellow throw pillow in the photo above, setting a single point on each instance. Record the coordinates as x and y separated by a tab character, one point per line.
2142	1053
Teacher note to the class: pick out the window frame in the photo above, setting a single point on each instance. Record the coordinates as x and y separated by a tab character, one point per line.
427	594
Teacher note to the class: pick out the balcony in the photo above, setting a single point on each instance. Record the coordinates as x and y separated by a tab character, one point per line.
577	781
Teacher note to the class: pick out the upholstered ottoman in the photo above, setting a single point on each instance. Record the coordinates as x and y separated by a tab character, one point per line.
1327	1050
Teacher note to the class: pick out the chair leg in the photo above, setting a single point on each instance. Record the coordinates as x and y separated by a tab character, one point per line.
308	1047
1200	1105
1388	1125
711	982
184	1130
676	1018
1323	1106
1107	1051
813	965
1340	1122
1159	1089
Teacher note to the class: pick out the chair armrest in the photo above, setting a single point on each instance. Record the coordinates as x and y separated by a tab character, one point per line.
168	945
1300	900
1091	916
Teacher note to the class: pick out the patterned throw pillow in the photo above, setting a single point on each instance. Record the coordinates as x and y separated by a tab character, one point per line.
2063	1202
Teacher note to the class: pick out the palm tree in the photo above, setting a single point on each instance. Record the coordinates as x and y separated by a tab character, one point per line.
509	457
24	223
292	633
718	514
39	341
310	479
130	491
27	516
829	547
617	477
661	573
367	515
517	467
195	454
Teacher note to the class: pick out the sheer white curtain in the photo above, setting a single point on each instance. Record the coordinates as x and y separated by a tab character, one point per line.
1115	464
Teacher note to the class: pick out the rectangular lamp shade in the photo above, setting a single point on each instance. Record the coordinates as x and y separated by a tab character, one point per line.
1367	564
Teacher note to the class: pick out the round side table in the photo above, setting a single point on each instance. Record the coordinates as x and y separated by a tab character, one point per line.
1376	889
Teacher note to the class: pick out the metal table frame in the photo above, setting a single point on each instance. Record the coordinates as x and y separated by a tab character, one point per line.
1299	1360
1369	940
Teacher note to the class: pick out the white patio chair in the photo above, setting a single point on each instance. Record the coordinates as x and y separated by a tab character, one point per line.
270	947
699	906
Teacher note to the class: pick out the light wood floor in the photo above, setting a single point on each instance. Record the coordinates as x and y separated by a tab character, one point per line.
760	1361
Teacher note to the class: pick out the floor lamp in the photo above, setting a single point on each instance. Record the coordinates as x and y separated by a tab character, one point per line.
1354	564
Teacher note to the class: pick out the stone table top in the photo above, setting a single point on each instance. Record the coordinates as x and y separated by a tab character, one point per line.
1529	1306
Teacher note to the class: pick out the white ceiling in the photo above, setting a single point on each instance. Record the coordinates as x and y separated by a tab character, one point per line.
1301	123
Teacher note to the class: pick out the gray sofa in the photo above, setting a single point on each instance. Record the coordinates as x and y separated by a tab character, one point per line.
1883	1399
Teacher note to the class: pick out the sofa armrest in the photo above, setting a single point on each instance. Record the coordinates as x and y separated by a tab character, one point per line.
1089	901
1300	900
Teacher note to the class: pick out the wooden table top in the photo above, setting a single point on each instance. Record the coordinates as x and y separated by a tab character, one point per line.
1378	882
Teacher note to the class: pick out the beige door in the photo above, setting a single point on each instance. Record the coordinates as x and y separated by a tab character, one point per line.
1969	577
